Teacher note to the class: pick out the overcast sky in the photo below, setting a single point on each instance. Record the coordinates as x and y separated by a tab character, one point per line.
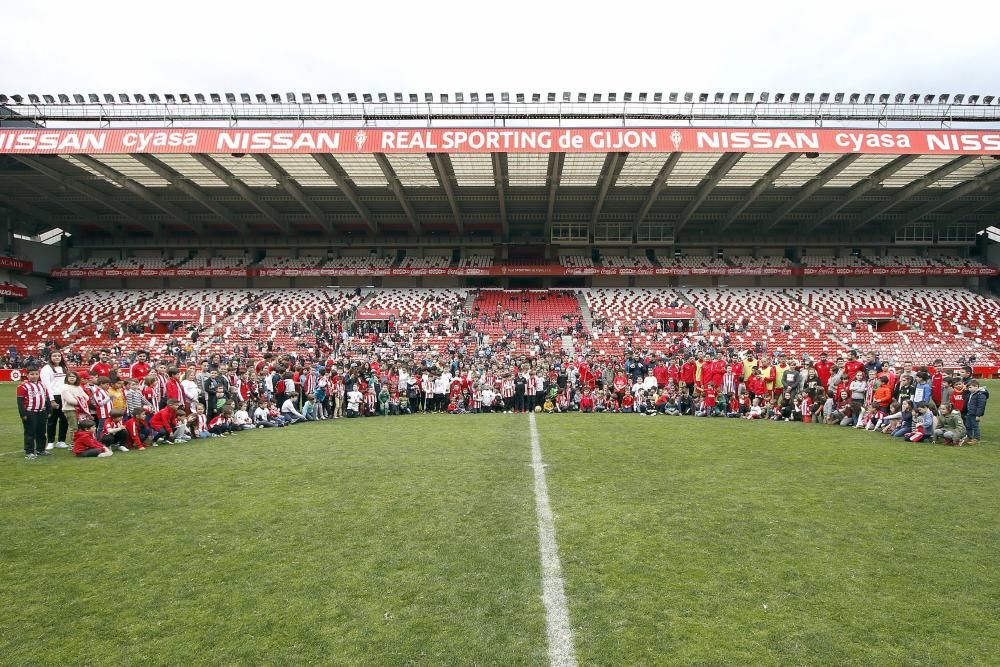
444	47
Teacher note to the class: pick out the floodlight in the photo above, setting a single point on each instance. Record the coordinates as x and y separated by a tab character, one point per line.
943	99
276	98
812	155
353	97
581	97
260	97
779	98
551	97
809	98
764	96
914	98
18	99
719	98
958	99
988	99
657	97
428	97
245	98
734	98
505	97
78	98
597	97
854	97
382	97
94	99
49	99
153	98
336	98
793	98
367	97
413	98
747	98
688	97
642	97
307	98
565	96
123	98
397	97
612	97
869	98
702	97
64	98
3	98
838	98
108	98
929	99
185	98
169	98
444	98
460	97
321	98
535	97
824	98
973	99
883	98
215	97
489	97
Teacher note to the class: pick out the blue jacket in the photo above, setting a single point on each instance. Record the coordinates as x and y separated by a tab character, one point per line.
976	405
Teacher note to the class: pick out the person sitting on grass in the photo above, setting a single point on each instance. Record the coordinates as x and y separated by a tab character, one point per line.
289	411
140	435
587	402
354	400
168	424
199	426
222	423
756	410
923	425
950	426
113	433
309	408
85	445
262	418
242	418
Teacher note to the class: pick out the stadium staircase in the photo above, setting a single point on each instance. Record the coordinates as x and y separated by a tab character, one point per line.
569	345
587	316
704	323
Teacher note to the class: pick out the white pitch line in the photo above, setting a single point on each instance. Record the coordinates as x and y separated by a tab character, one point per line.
560	634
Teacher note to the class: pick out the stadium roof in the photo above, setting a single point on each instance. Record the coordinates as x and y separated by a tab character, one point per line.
63	167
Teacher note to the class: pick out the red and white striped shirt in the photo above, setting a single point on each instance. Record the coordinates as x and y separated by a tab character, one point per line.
202	422
34	395
507	389
729	383
102	402
159	389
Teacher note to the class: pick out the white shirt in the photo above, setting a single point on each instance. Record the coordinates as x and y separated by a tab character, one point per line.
354	399
259	415
288	407
53	379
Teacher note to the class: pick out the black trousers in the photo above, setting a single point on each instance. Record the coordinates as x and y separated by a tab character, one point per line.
34	432
57	424
519	403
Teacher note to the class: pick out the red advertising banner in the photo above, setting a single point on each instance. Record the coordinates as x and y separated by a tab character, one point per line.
530	270
375	314
873	314
6	289
504	140
178	315
682	313
15	264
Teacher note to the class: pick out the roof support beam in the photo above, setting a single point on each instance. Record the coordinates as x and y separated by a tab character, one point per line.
553	177
191	190
446	176
809	189
970	209
863	186
240	188
130	214
343	181
766	181
83	213
500	179
957	192
397	189
654	191
28	210
612	167
910	190
294	189
708	183
141	191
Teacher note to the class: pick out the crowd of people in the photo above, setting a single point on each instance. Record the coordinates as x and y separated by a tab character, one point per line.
132	402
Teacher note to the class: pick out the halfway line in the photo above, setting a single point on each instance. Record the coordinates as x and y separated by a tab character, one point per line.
560	634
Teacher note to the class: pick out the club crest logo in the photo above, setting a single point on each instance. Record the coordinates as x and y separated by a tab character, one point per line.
360	137
676	137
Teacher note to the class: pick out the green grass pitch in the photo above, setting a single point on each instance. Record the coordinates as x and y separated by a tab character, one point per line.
413	541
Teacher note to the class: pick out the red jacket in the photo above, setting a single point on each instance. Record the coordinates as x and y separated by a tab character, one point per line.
175	390
688	371
165	419
586	403
132	427
84	440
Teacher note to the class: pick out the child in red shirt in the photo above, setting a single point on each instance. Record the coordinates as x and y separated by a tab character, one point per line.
85	445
